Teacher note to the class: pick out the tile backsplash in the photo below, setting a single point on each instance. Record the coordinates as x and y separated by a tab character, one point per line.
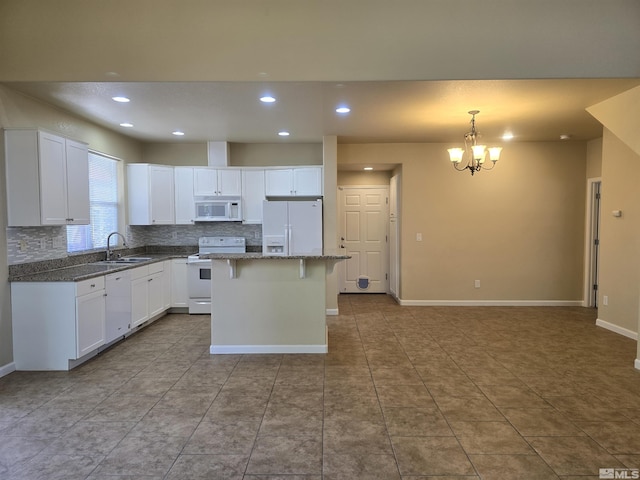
32	244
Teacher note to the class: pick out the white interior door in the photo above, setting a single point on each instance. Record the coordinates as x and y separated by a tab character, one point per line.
364	213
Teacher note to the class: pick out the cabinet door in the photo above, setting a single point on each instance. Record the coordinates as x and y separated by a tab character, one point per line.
118	305
166	284
77	183
161	190
252	195
53	179
139	301
156	293
307	181
90	322
229	182
205	181
179	294
184	203
279	182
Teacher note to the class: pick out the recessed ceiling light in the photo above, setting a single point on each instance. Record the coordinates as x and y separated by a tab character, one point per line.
565	137
343	110
267	99
368	168
126	125
178	133
283	134
120	99
507	136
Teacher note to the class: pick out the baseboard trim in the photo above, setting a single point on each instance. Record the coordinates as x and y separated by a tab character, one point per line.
617	329
230	349
331	312
7	369
490	303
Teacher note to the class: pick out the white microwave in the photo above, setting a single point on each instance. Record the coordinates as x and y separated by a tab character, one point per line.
213	209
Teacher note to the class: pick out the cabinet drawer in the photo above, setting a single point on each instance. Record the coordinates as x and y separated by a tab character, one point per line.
88	286
139	272
156	267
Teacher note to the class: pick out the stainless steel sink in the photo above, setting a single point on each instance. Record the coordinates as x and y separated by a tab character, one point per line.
125	260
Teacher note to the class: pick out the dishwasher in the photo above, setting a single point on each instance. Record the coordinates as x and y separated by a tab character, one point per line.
118	305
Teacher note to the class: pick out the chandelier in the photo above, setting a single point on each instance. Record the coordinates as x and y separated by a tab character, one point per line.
474	155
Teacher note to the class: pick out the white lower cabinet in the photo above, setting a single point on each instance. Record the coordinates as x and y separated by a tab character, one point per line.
156	289
166	284
139	296
147	293
118	305
90	322
55	323
179	293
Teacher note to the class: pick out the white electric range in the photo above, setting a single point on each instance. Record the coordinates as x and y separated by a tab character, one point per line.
199	270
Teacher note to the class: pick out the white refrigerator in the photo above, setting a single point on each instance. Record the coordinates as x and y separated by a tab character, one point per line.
292	227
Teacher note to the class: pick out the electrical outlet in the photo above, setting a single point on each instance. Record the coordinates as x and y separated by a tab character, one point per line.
418	237
57	242
477	283
43	244
23	245
174	235
605	299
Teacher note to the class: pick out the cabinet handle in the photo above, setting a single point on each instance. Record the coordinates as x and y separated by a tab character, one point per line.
93	285
149	279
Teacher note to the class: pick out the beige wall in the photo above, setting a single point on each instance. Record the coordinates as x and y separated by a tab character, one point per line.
620	237
518	229
240	154
184	154
360	177
19	111
594	158
329	215
275	154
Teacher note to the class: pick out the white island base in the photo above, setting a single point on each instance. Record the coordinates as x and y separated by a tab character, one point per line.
268	304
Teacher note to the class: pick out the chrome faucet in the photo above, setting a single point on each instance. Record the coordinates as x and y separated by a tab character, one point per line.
109	252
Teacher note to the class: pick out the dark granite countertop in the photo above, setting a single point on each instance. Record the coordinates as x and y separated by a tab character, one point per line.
260	256
77	273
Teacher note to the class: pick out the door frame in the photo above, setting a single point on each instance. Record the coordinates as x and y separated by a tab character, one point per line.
592	223
342	265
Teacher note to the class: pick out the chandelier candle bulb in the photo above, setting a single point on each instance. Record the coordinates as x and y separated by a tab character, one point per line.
455	154
494	153
478	151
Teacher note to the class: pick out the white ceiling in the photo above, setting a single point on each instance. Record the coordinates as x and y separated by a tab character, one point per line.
382	111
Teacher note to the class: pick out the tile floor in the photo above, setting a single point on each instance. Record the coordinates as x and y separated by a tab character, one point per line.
405	393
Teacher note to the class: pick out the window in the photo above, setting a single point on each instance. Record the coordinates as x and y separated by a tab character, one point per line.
103	202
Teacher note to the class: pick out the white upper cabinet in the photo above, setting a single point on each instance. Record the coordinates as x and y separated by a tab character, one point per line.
213	181
252	195
47	179
184	203
150	194
297	181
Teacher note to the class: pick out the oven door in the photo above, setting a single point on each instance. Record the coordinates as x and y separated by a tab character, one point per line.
199	286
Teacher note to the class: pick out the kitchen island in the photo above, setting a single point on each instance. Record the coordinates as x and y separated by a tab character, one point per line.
269	304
